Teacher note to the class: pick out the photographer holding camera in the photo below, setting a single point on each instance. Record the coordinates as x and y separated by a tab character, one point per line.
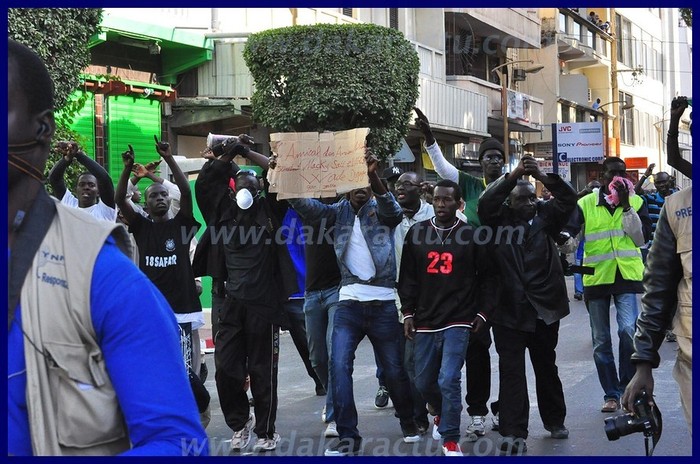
667	300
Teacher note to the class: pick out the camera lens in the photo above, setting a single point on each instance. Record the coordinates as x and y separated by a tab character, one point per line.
611	429
624	424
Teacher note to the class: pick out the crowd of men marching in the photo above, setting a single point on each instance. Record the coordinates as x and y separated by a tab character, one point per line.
420	269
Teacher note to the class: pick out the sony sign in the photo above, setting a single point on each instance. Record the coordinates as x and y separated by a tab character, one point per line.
580	142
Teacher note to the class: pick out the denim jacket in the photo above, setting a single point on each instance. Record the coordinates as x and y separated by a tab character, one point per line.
378	217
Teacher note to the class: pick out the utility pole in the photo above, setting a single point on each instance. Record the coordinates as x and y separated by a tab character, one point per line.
613	81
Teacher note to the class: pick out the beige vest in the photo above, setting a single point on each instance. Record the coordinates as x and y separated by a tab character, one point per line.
679	212
72	406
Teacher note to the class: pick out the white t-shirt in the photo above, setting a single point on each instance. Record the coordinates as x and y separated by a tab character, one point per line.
359	261
98	210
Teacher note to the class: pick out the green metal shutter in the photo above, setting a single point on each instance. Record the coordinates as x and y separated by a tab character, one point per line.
130	121
84	122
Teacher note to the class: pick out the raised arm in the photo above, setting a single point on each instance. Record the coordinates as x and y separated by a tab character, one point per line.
120	195
243	149
104	182
186	208
442	166
68	149
678	106
388	210
638	186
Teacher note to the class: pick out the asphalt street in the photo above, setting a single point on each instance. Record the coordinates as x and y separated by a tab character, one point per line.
301	429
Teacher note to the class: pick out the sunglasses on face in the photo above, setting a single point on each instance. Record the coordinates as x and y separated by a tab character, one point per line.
405	184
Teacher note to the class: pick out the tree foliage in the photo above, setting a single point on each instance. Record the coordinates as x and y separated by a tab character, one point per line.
330	77
687	15
60	36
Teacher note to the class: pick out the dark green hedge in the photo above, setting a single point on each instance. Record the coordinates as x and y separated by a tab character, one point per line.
60	36
330	77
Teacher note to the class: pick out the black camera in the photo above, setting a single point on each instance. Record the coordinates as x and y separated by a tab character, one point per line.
571	269
645	418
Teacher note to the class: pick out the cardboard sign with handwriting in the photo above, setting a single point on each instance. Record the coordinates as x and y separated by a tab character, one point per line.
314	165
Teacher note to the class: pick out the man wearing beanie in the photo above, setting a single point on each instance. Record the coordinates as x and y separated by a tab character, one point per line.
490	157
478	359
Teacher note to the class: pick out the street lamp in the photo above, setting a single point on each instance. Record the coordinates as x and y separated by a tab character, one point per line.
504	98
625	107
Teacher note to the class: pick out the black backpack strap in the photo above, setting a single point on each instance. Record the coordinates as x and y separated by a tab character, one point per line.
31	233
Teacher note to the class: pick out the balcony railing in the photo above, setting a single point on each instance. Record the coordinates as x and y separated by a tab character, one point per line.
452	108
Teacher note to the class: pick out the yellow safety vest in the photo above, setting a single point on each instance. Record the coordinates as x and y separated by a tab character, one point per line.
607	247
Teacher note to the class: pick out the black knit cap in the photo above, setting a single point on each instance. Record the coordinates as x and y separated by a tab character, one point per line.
490	144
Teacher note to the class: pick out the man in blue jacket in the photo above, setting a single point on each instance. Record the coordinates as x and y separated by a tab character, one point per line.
364	245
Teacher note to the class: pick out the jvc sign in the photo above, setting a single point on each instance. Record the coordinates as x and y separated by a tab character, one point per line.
578	142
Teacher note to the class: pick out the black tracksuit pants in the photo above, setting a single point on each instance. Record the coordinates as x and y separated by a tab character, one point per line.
247	344
513	397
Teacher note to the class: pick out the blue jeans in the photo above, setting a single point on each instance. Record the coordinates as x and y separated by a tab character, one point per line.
626	313
438	358
578	278
351	322
319	307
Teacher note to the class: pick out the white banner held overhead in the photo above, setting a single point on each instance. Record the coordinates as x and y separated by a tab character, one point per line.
580	142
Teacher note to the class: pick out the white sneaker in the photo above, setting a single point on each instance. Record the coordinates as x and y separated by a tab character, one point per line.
323	414
331	430
267	444
241	438
436	424
477	426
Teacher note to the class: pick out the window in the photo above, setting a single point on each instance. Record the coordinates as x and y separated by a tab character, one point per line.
465	54
618	29
576	31
627	53
565	116
660	66
394	18
645	58
626	119
562	23
580	115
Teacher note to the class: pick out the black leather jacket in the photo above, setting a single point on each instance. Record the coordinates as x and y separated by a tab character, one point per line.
662	274
531	271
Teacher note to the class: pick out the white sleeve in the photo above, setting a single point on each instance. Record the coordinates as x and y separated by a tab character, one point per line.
174	193
442	166
130	189
137	208
632	226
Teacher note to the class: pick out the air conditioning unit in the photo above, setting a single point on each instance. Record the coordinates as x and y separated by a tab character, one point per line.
518	75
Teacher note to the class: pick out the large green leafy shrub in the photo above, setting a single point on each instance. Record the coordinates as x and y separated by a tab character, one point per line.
330	77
